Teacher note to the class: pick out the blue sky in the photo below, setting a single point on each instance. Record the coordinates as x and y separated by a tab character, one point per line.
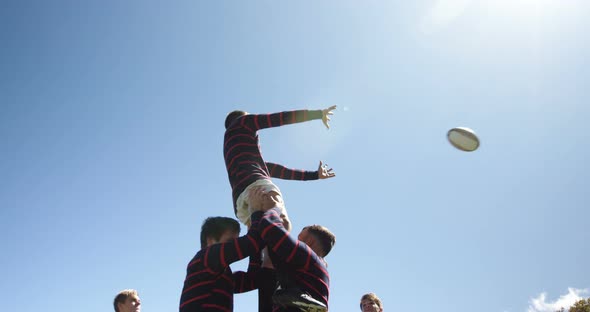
111	127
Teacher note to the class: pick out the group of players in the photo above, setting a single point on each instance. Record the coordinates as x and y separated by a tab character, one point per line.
289	273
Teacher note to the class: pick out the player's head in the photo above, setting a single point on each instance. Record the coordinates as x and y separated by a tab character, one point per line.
127	301
231	117
318	238
371	303
218	230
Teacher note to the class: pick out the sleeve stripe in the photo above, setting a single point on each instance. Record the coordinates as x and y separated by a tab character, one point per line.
194	262
194	299
265	231
254	243
197	285
293	252
280	242
204	271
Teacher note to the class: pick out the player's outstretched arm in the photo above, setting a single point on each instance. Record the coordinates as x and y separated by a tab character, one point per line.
281	172
326	115
324	172
256	122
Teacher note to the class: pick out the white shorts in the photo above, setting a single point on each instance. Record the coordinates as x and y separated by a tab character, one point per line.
242	211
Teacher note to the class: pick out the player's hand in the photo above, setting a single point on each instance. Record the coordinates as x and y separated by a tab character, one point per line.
256	199
260	200
326	115
324	172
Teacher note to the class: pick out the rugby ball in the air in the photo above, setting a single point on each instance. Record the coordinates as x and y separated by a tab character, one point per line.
463	139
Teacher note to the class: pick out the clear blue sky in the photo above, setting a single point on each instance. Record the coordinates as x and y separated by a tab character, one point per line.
111	127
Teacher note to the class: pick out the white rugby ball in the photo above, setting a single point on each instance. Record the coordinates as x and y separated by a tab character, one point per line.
463	138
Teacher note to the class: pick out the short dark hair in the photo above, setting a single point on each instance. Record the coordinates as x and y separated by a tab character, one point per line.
215	227
231	117
326	238
122	297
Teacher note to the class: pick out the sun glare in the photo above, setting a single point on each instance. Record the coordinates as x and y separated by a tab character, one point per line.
523	12
525	9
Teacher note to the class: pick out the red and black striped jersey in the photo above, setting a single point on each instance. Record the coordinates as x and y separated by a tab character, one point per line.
243	159
304	268
210	283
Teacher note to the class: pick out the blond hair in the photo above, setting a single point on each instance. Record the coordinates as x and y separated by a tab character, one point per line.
371	297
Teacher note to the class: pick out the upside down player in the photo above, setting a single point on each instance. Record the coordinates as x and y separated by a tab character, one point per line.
244	163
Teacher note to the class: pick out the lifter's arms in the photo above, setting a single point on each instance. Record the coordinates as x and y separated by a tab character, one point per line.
274	234
246	281
219	256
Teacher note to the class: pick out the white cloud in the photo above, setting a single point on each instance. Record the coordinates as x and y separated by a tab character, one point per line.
540	304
